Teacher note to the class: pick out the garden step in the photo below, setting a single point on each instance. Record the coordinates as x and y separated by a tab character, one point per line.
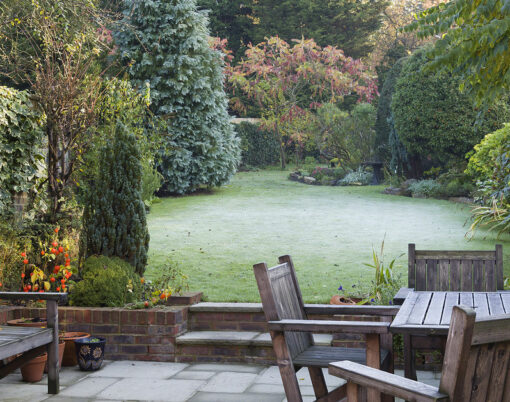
238	338
230	346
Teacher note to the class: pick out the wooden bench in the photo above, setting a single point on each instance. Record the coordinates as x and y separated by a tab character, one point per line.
29	342
291	331
476	365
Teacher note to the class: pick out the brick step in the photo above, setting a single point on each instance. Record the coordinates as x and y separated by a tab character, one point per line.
230	346
227	317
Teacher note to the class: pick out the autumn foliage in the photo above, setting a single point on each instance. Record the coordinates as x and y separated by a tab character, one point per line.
288	80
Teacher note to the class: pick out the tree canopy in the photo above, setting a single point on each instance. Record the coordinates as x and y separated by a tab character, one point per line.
474	44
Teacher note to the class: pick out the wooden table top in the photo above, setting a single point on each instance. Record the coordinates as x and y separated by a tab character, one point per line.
15	340
429	312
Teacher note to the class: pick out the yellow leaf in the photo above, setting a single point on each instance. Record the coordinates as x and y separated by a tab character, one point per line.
47	286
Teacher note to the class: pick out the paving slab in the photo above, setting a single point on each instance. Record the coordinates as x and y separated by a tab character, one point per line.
126	369
194	375
229	382
88	387
59	398
239	368
244	397
23	392
272	376
146	389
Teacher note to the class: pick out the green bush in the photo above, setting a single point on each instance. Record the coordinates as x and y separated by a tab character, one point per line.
114	221
434	120
20	144
258	147
107	282
426	188
490	164
356	178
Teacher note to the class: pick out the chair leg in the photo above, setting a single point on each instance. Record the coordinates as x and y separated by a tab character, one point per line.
352	392
53	369
409	358
319	384
290	383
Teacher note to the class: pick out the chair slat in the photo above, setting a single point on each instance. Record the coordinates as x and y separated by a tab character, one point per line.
490	276
478	276
498	372
480	380
421	275
432	275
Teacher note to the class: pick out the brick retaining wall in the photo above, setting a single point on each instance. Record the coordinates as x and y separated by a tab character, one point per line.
147	334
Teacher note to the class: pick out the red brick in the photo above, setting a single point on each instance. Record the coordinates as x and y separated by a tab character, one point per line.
151	317
86	316
133	329
225	352
226	326
194	350
123	339
254	326
155	358
115	316
105	329
185	359
133	349
256	317
160	317
109	348
237	316
162	349
96	316
142	317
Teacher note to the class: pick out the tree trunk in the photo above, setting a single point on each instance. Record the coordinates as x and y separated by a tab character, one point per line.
282	150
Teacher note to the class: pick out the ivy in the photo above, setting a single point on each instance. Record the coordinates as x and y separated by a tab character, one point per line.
20	143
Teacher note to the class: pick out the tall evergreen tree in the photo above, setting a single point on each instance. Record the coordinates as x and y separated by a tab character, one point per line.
346	24
165	43
114	221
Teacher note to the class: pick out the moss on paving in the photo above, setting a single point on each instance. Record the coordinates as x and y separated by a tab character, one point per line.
329	232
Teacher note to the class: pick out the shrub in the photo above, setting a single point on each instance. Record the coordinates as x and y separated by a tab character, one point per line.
490	164
357	178
20	144
107	282
259	147
186	80
433	119
426	188
114	221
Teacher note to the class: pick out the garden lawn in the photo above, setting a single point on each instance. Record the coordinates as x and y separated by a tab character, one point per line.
329	232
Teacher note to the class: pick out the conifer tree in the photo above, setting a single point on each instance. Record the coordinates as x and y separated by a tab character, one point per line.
114	217
165	43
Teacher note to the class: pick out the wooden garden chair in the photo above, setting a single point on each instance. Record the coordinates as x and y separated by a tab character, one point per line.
447	270
476	365
29	342
291	332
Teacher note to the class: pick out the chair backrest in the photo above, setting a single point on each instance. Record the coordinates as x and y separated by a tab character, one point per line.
456	270
281	299
476	364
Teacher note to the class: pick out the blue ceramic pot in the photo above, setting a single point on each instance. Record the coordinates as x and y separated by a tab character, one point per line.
90	352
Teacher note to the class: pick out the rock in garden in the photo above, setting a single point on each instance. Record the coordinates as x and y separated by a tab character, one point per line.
392	190
309	180
294	176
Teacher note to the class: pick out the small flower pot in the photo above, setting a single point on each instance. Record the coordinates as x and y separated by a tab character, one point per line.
70	350
33	370
28	322
90	352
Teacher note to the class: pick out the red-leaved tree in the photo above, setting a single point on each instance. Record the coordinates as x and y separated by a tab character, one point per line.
286	79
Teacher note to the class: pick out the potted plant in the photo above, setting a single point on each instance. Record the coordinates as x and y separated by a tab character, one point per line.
61	347
33	370
28	322
70	349
90	352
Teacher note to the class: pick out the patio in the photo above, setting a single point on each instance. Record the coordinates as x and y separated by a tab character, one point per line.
140	381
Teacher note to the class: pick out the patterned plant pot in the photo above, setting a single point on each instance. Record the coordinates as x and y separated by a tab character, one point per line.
90	352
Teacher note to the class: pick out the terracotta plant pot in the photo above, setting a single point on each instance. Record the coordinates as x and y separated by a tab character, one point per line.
342	300
61	347
28	322
90	352
70	349
33	370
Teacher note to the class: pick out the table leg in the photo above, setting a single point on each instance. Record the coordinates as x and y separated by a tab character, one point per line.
409	358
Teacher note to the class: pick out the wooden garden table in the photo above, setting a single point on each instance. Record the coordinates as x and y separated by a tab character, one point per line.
425	316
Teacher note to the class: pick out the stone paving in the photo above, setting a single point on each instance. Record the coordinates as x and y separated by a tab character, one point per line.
173	382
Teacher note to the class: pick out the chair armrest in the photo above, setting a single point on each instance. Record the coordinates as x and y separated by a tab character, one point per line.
401	295
386	383
58	297
327	327
333	309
